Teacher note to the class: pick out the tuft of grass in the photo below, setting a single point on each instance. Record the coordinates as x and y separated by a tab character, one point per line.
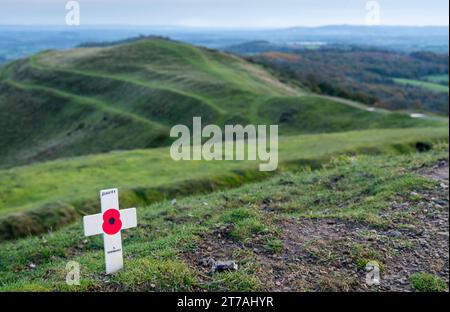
245	229
274	245
361	264
149	274
238	215
335	282
235	281
425	282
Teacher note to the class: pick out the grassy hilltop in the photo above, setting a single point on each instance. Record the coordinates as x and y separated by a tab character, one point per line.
94	100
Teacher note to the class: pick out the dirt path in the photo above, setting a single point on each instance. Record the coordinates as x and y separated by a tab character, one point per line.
439	173
331	254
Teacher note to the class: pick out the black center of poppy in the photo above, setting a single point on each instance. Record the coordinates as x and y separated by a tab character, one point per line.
111	220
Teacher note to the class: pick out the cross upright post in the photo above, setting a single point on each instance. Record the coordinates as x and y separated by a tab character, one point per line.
110	222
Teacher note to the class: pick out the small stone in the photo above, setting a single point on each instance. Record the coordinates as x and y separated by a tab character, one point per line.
32	266
220	266
207	262
403	281
394	234
173	202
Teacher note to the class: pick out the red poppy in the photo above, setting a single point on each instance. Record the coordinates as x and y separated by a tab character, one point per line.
111	222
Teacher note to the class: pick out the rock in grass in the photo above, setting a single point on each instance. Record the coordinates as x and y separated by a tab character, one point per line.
394	234
207	262
221	266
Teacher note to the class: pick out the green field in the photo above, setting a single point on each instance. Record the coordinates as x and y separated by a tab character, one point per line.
441	79
432	86
48	194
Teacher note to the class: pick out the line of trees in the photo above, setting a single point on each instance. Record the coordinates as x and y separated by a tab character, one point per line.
365	76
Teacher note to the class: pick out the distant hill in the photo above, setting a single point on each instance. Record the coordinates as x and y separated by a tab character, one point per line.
21	41
259	46
92	100
385	79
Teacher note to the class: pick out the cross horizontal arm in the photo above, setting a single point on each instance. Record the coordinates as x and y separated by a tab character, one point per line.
93	224
129	218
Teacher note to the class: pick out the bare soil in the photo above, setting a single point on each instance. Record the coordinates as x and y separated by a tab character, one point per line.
329	254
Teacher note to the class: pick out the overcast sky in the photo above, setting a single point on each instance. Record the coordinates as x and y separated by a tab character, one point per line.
225	13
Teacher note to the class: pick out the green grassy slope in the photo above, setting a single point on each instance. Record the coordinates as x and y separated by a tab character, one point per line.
255	228
38	197
93	100
441	79
435	87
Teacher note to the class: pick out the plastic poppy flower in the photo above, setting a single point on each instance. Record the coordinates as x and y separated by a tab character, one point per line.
111	222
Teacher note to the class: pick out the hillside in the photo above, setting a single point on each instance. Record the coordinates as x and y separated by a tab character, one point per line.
314	231
94	100
383	79
41	197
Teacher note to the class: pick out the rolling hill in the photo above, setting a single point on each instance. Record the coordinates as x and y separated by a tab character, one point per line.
99	99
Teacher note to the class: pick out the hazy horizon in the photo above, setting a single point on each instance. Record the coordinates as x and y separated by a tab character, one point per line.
226	14
225	27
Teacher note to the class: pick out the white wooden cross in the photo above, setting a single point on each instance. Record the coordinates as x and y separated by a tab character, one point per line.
110	223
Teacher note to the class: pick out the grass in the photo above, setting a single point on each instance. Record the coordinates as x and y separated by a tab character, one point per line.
158	251
432	86
86	101
440	79
147	176
78	121
425	282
